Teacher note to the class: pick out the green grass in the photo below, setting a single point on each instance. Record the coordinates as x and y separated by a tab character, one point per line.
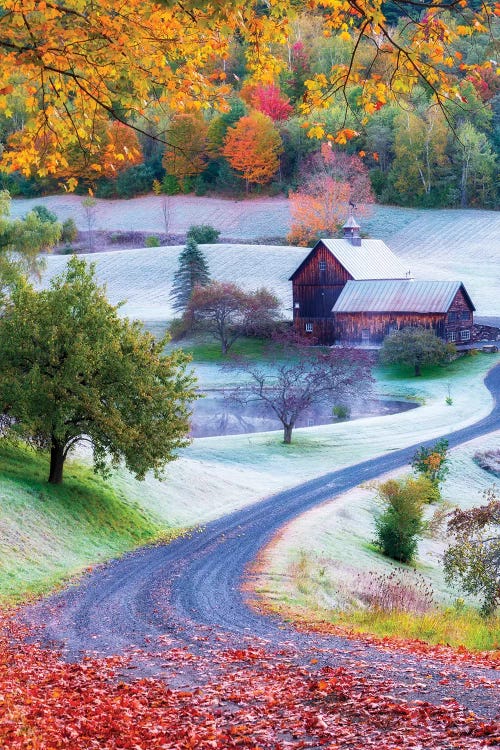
50	533
447	626
312	584
203	350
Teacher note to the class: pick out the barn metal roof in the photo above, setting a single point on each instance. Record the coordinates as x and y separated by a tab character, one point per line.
399	296
370	260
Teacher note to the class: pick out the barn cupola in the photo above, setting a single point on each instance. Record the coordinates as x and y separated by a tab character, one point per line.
351	231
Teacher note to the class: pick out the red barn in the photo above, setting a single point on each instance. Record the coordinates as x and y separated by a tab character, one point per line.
366	311
323	274
358	291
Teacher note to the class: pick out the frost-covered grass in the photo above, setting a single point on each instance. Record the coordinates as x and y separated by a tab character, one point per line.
220	474
436	244
319	565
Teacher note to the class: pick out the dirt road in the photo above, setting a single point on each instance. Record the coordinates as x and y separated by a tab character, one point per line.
190	594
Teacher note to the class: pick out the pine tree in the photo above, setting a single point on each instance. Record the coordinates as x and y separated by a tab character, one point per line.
192	271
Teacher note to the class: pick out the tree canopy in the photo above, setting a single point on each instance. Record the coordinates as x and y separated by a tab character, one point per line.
69	68
72	370
22	239
415	347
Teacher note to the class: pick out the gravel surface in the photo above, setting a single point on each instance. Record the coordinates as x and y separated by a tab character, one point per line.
190	594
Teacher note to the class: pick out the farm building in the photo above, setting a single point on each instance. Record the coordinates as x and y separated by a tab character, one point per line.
358	291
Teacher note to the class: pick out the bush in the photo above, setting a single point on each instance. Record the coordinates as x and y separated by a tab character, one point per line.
44	214
152	241
170	185
432	463
179	327
200	186
473	558
341	411
203	234
400	524
135	181
69	232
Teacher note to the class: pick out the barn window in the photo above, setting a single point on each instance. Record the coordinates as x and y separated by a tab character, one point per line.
465	335
465	315
452	336
309	327
297	305
322	265
452	316
365	335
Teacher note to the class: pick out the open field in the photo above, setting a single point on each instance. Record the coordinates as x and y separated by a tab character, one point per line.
441	244
47	534
319	567
220	474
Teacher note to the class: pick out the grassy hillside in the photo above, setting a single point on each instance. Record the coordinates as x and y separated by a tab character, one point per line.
439	244
48	533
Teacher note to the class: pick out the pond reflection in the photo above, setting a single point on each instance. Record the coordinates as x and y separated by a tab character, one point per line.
216	415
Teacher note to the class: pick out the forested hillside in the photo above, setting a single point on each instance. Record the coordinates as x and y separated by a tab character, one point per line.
282	125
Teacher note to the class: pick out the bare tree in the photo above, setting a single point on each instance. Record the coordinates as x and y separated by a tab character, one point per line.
295	375
89	205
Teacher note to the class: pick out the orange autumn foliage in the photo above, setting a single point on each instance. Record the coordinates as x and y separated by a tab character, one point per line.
253	148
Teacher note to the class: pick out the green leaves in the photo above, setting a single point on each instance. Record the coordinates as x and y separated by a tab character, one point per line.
71	369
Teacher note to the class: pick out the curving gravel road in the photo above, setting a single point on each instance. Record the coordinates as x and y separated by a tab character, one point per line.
190	593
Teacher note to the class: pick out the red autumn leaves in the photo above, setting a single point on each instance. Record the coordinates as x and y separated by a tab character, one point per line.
249	698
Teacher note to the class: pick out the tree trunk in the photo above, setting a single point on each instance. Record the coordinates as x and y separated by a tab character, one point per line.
417	370
56	462
287	433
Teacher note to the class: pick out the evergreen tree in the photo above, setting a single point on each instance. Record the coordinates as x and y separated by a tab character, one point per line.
192	271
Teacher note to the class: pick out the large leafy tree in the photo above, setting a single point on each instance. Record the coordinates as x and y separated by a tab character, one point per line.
229	312
72	370
76	63
253	147
415	347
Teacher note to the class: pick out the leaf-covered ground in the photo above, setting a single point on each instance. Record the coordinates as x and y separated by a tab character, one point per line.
248	697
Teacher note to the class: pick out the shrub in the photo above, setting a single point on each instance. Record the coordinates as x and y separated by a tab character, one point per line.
203	234
200	186
432	463
44	214
69	232
170	185
341	411
152	241
473	558
397	591
400	524
135	181
179	327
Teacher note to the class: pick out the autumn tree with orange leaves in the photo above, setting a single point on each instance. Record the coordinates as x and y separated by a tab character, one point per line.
253	148
319	207
78	64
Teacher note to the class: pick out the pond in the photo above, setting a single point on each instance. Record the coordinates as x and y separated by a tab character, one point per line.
216	415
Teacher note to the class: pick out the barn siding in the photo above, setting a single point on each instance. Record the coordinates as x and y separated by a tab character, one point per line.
460	318
350	326
315	292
